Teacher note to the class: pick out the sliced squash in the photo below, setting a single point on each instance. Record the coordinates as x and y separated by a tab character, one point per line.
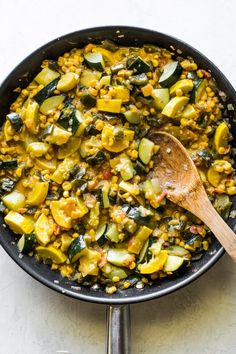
189	112
7	128
173	263
50	165
155	264
109	105
37	149
137	241
67	82
63	170
38	194
184	85
31	116
50	252
213	176
122	93
59	214
46	76
50	104
89	263
221	137
59	136
18	223
43	230
14	200
174	106
69	148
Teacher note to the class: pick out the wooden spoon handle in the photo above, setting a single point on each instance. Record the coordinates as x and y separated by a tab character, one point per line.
219	228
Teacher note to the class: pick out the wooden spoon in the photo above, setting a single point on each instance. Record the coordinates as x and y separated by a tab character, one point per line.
179	178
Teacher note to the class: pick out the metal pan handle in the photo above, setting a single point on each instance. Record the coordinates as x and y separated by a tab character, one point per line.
118	329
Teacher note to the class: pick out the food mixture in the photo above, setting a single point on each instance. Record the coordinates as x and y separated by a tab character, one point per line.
75	159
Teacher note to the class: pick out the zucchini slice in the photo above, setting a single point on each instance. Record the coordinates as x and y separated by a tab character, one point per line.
175	106
46	92
137	242
70	118
100	234
37	149
38	194
18	223
197	91
111	271
156	263
26	243
138	65
95	61
189	112
52	253
105	194
15	120
120	257
8	165
145	150
139	80
43	230
161	98
171	73
58	137
31	116
69	148
221	137
178	251
88	78
50	104
96	159
14	200
88	100
77	249
112	233
109	105
184	85
46	76
133	117
89	263
59	214
213	176
67	82
173	263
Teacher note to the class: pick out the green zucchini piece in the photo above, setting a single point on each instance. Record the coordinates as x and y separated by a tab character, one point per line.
46	76
161	98
91	130
139	80
135	214
100	234
116	68
69	148
171	73
112	233
46	92
70	118
88	77
14	200
88	100
179	251
145	150
111	271
137	242
143	251
173	263
50	104
133	117
7	165
7	184
26	243
197	91
96	159
140	168
109	45
119	257
95	61
90	146
46	131
77	249
15	121
138	65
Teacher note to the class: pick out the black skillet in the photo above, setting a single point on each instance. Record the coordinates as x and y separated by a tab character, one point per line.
118	303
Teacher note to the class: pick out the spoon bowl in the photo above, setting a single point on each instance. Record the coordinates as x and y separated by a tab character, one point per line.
179	178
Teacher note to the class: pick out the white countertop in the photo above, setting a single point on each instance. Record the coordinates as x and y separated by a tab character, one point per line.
200	318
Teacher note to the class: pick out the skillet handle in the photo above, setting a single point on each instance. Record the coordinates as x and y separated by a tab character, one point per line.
118	329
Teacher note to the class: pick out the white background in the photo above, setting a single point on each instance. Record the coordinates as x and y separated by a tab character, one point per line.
198	319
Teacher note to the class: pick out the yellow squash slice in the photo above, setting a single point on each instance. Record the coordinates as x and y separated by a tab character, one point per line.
18	223
38	194
52	253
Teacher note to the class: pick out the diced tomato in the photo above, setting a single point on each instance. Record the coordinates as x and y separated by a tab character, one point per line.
107	174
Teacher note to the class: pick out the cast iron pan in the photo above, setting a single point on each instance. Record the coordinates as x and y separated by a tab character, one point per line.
118	313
